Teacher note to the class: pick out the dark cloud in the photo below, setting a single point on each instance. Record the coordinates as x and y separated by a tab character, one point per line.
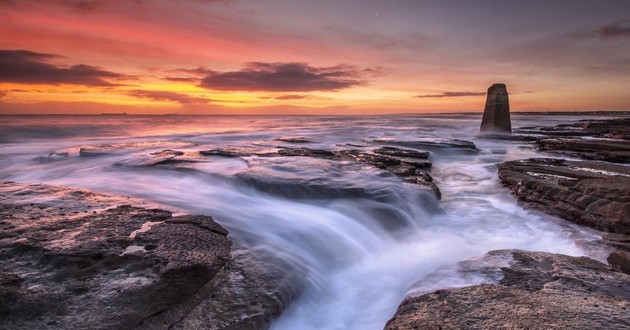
619	29
451	94
82	5
291	97
287	97
288	77
182	79
26	67
168	96
197	71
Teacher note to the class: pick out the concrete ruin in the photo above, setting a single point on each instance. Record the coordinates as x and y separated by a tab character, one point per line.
496	115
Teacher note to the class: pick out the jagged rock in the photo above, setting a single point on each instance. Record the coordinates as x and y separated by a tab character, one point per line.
589	193
537	291
617	151
70	260
496	115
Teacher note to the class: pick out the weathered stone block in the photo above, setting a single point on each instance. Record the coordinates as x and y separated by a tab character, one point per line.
496	115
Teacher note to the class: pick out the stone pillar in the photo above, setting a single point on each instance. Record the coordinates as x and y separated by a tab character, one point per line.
496	115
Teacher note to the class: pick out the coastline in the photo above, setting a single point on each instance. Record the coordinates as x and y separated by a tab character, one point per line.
282	284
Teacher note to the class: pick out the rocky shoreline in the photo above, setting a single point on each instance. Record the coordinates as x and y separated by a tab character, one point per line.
541	290
72	258
76	259
536	291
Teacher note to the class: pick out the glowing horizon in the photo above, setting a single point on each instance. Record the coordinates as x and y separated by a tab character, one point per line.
329	57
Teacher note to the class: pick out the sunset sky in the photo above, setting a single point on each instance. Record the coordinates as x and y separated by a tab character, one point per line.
311	57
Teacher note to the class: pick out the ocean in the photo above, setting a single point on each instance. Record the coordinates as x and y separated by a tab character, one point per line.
364	237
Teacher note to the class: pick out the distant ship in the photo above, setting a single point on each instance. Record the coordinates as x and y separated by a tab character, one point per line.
113	113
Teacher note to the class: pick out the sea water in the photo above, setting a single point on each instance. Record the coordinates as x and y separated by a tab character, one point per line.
363	237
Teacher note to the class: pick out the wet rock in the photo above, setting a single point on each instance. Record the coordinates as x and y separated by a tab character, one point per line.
537	291
108	149
226	152
415	158
163	157
294	139
617	151
411	165
593	194
617	241
306	152
412	168
239	152
258	282
616	128
52	157
496	115
398	152
122	267
620	260
434	145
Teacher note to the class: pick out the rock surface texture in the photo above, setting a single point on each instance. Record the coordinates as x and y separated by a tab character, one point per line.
537	291
496	115
593	194
616	151
72	259
605	140
409	164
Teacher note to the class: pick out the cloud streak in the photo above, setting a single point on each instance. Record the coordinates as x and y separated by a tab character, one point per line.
284	77
289	97
168	96
619	29
27	67
450	94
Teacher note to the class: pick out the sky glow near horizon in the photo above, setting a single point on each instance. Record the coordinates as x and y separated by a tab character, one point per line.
311	57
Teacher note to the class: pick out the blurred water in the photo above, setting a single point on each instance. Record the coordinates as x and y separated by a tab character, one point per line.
363	236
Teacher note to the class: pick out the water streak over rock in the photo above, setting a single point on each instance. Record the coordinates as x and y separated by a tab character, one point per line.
86	265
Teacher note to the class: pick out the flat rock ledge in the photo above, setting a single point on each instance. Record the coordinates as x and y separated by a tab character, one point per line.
594	194
73	259
537	291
